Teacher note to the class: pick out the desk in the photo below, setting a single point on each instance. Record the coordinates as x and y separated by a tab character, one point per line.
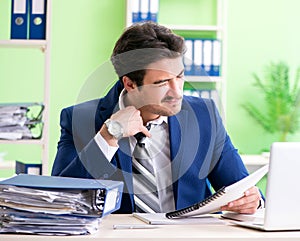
210	232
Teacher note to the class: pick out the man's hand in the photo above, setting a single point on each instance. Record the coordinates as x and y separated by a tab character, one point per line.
131	121
247	204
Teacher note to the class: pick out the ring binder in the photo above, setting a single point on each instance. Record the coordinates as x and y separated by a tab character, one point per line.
37	24
19	13
90	197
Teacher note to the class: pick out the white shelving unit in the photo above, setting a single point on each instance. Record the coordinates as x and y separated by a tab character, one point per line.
45	47
218	29
254	162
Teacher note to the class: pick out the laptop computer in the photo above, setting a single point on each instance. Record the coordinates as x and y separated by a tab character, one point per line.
282	205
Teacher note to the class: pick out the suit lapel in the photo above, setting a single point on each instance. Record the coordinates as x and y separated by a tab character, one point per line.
108	105
125	161
177	126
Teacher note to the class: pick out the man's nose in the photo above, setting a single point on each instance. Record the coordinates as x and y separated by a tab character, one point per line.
176	85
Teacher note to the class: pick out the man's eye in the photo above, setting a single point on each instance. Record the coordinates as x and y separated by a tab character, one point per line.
162	84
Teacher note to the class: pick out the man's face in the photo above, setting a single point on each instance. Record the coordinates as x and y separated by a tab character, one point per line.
162	91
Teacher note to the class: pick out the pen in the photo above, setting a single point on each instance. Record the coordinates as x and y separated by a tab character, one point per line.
133	226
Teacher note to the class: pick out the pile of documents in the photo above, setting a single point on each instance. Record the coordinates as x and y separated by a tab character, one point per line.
18	120
34	204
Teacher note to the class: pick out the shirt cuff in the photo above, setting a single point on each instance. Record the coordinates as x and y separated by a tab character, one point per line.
107	150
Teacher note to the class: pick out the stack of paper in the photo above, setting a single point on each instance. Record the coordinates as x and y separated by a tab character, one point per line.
56	205
17	120
13	221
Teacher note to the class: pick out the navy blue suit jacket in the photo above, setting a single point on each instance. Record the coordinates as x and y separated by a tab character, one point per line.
201	151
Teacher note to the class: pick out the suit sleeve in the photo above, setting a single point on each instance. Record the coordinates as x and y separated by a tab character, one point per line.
229	166
72	160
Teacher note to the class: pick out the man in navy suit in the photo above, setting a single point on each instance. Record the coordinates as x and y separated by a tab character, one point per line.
192	150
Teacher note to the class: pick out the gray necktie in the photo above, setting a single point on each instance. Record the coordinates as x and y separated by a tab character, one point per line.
144	181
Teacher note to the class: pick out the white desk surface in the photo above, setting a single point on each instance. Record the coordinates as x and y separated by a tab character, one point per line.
198	232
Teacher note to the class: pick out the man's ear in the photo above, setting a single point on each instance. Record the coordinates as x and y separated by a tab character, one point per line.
129	85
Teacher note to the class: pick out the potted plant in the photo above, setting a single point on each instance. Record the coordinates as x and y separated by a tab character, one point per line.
282	101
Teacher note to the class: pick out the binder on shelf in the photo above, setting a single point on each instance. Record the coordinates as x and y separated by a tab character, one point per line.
28	168
37	19
203	57
144	10
205	94
154	6
188	57
207	53
198	57
135	8
216	58
19	22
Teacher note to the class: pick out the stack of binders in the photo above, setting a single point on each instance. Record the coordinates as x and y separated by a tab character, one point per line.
34	204
28	19
203	57
144	10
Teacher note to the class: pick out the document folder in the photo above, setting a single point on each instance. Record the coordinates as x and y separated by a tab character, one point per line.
188	59
216	57
19	15
87	197
144	10
154	7
37	19
207	54
135	11
198	57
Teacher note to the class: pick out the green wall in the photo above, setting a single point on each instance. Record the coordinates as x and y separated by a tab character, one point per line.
79	45
84	33
258	32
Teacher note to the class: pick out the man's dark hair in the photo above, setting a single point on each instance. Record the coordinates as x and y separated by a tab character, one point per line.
142	44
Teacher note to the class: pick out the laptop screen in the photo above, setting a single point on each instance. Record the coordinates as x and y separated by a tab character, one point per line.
283	191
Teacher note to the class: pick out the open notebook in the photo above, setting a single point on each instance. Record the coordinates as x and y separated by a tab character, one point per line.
282	209
222	197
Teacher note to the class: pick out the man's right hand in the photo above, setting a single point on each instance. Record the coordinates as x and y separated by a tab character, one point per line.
131	121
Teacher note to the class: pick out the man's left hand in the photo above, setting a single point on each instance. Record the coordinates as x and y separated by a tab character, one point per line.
247	204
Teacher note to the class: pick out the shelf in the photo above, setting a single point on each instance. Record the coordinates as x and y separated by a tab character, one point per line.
30	142
20	43
254	162
43	45
213	28
206	79
7	165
